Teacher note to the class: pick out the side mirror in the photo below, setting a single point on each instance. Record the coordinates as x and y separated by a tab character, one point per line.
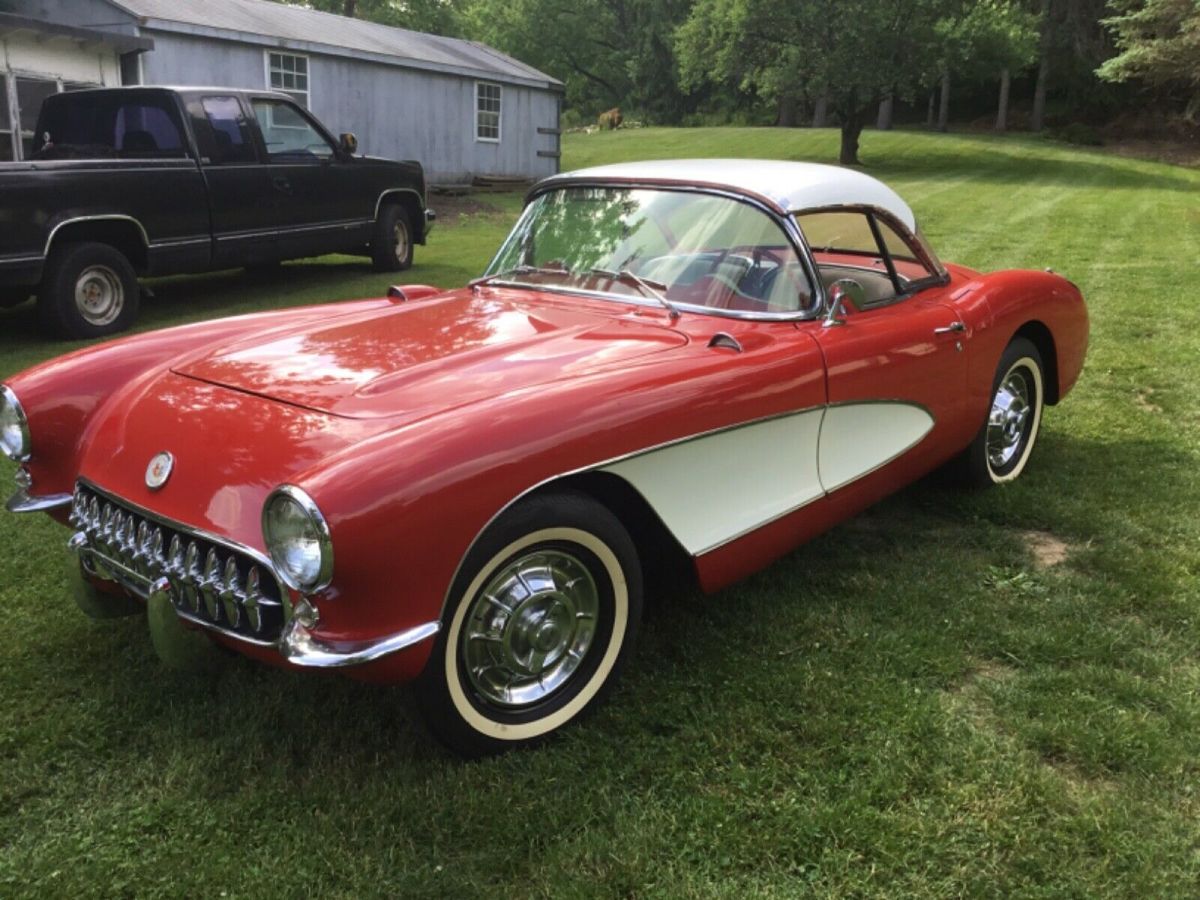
843	293
348	143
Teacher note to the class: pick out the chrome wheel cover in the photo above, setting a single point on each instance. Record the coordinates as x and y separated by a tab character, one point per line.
99	295
530	628
400	240
1011	418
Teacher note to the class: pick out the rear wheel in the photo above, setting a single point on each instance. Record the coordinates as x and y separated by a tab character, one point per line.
541	620
1003	445
89	290
391	245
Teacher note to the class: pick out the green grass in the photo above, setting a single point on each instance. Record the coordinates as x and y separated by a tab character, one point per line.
908	705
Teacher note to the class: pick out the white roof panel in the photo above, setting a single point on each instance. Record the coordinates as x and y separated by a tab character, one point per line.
792	186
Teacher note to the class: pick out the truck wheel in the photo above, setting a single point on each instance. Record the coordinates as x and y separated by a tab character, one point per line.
392	246
89	290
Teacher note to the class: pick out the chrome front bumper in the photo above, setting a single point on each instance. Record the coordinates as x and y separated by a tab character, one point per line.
216	584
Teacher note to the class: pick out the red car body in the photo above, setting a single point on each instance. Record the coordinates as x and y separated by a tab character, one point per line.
413	421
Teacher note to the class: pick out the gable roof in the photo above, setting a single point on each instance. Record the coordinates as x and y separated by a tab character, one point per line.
295	27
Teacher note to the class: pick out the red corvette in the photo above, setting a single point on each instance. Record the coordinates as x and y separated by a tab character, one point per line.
705	362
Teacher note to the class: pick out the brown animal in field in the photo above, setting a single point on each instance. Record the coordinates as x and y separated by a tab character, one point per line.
610	119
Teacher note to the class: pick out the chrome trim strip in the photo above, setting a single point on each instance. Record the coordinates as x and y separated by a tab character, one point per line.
23	502
102	218
17	260
180	242
300	648
379	201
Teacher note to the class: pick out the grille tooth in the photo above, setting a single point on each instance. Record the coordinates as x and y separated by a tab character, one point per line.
211	585
224	587
231	595
192	574
253	598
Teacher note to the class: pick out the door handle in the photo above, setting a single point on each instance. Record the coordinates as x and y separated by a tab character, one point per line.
952	328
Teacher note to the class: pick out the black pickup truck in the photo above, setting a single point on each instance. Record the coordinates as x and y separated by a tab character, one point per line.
140	181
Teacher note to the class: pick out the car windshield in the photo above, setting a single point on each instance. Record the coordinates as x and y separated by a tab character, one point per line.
677	248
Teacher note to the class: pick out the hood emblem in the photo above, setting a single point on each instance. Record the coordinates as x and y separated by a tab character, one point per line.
159	470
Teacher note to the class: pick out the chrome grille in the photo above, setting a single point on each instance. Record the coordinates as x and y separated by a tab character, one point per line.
212	583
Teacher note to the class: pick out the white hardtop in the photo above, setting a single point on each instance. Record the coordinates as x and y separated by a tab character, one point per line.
792	186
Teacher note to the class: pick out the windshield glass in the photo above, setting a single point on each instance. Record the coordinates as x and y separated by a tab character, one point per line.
691	249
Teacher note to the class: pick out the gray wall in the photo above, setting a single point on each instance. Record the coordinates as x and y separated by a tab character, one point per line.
396	112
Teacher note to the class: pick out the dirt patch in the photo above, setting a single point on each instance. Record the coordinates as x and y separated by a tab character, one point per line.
1142	401
1177	153
452	209
1047	550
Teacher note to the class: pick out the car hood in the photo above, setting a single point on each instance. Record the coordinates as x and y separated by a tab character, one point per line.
431	355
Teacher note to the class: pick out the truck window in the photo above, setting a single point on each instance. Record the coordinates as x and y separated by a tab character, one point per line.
109	126
289	136
230	135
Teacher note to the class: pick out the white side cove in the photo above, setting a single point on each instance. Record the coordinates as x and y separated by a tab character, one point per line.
711	489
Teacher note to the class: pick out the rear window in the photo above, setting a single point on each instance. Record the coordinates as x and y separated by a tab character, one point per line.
109	126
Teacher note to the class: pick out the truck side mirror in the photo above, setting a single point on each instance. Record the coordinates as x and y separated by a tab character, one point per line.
349	143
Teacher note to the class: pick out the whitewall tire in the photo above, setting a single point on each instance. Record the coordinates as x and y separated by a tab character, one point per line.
1001	449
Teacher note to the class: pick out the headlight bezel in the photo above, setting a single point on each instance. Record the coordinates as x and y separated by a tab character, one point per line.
289	493
9	401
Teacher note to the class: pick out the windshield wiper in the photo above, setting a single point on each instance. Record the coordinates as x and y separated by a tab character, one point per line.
648	288
516	270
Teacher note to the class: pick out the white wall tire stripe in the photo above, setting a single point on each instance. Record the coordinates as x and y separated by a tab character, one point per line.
1034	368
504	731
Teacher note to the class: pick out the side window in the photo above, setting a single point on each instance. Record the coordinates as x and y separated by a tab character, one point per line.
147	131
845	245
231	137
289	136
487	111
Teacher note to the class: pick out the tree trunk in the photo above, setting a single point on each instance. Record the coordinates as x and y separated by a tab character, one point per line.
787	111
821	111
929	112
944	107
852	126
349	8
1038	118
886	107
1002	110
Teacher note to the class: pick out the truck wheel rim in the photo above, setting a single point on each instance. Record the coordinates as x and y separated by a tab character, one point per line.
400	239
530	628
99	295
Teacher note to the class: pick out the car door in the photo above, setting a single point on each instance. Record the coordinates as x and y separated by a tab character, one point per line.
239	191
320	205
896	365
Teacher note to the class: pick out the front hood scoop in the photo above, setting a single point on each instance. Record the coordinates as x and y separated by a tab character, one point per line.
430	355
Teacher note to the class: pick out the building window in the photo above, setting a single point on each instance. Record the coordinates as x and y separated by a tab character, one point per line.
487	111
288	72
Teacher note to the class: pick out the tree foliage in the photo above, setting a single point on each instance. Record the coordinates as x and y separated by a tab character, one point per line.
433	16
1158	42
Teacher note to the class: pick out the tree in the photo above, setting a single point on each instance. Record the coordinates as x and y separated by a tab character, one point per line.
850	52
1158	42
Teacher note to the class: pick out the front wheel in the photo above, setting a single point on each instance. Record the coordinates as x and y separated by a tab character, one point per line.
1003	445
541	620
89	290
391	245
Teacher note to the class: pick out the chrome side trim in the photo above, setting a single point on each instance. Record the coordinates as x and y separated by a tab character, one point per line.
300	648
103	218
23	502
379	201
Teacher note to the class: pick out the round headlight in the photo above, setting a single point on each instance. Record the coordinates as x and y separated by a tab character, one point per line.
14	427
297	539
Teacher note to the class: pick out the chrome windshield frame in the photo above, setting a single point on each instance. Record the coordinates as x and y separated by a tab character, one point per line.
780	217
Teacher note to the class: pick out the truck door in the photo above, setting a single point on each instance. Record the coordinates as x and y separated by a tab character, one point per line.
239	187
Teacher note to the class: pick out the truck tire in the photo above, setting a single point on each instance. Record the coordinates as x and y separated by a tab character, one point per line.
392	244
89	290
